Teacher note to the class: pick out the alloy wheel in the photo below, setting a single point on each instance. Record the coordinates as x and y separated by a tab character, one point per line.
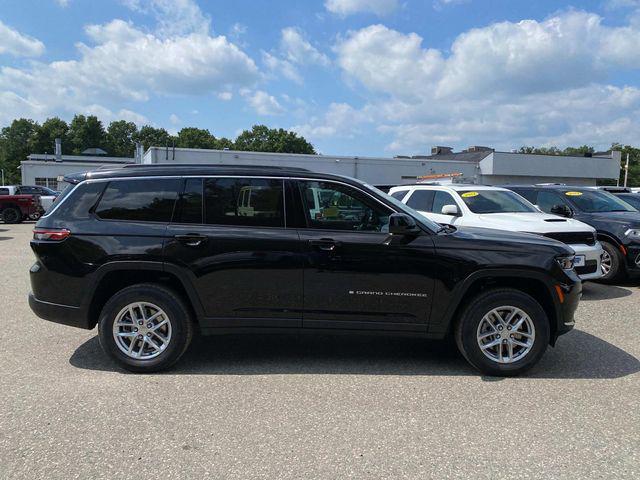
142	330
506	334
605	263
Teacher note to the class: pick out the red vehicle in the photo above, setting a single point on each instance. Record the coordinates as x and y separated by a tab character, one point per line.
16	208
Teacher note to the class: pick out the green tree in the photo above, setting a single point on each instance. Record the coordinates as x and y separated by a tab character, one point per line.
578	151
153	137
633	179
263	139
15	145
46	134
86	132
120	138
191	137
223	142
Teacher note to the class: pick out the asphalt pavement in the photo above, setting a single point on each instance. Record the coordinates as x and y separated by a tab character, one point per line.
315	407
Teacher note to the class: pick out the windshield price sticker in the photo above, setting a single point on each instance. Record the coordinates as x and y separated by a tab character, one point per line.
573	194
469	194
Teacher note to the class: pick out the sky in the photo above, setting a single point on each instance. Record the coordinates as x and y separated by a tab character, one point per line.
354	77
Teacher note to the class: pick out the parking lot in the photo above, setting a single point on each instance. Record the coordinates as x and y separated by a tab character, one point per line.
311	407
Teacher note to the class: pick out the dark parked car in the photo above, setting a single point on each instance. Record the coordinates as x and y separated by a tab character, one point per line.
617	223
625	194
150	253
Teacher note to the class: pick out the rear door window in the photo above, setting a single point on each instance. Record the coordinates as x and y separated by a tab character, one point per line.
421	200
190	205
257	202
145	200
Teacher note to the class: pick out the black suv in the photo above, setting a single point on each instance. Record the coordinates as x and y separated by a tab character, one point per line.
617	223
150	253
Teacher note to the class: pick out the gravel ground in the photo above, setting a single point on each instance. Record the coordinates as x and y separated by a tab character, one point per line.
315	407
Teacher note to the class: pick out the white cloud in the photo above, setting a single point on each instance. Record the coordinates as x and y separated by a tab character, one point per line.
262	102
225	96
17	44
63	3
294	51
174	17
123	62
340	120
174	119
298	50
503	85
349	7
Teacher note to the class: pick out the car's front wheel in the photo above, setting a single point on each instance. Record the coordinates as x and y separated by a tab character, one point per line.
145	328
612	264
503	332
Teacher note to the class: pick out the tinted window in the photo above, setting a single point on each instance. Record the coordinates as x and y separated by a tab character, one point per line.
632	199
139	200
494	201
399	195
190	204
596	201
244	201
339	207
529	194
4	191
28	191
441	199
548	200
421	200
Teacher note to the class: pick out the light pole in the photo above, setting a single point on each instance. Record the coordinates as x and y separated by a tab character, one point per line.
626	170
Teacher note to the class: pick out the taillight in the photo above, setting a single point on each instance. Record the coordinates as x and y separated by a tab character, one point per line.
52	234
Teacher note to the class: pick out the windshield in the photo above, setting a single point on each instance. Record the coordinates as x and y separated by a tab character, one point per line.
593	201
434	227
495	201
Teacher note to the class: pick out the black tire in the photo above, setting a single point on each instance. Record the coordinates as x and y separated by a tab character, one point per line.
11	215
466	331
617	272
175	308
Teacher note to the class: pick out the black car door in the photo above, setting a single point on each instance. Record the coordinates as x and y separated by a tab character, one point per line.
230	235
357	276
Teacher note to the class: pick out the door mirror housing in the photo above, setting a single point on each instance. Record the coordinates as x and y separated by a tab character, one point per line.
403	224
562	210
451	210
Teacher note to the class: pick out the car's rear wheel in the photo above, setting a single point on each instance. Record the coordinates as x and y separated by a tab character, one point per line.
503	332
145	328
11	215
612	264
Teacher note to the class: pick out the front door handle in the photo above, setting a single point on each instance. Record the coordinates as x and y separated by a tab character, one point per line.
326	244
191	239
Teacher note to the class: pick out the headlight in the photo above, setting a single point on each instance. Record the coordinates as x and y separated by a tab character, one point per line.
566	263
633	233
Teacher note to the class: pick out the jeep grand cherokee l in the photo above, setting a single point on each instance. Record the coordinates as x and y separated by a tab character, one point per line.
151	253
616	222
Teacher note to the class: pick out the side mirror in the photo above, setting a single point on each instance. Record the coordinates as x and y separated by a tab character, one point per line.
450	210
562	210
402	224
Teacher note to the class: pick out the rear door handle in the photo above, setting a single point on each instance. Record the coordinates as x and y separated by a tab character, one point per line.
326	244
191	239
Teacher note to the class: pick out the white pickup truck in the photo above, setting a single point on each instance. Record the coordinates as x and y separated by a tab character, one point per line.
502	209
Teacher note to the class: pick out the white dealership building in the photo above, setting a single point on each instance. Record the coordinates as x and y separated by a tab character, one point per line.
475	164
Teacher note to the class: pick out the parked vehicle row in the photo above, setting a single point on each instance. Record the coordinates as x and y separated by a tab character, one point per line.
152	253
502	209
617	223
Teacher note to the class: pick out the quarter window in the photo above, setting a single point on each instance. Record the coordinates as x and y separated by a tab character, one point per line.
244	201
399	195
145	200
339	207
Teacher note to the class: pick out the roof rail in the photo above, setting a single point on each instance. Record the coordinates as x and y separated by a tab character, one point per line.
218	165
